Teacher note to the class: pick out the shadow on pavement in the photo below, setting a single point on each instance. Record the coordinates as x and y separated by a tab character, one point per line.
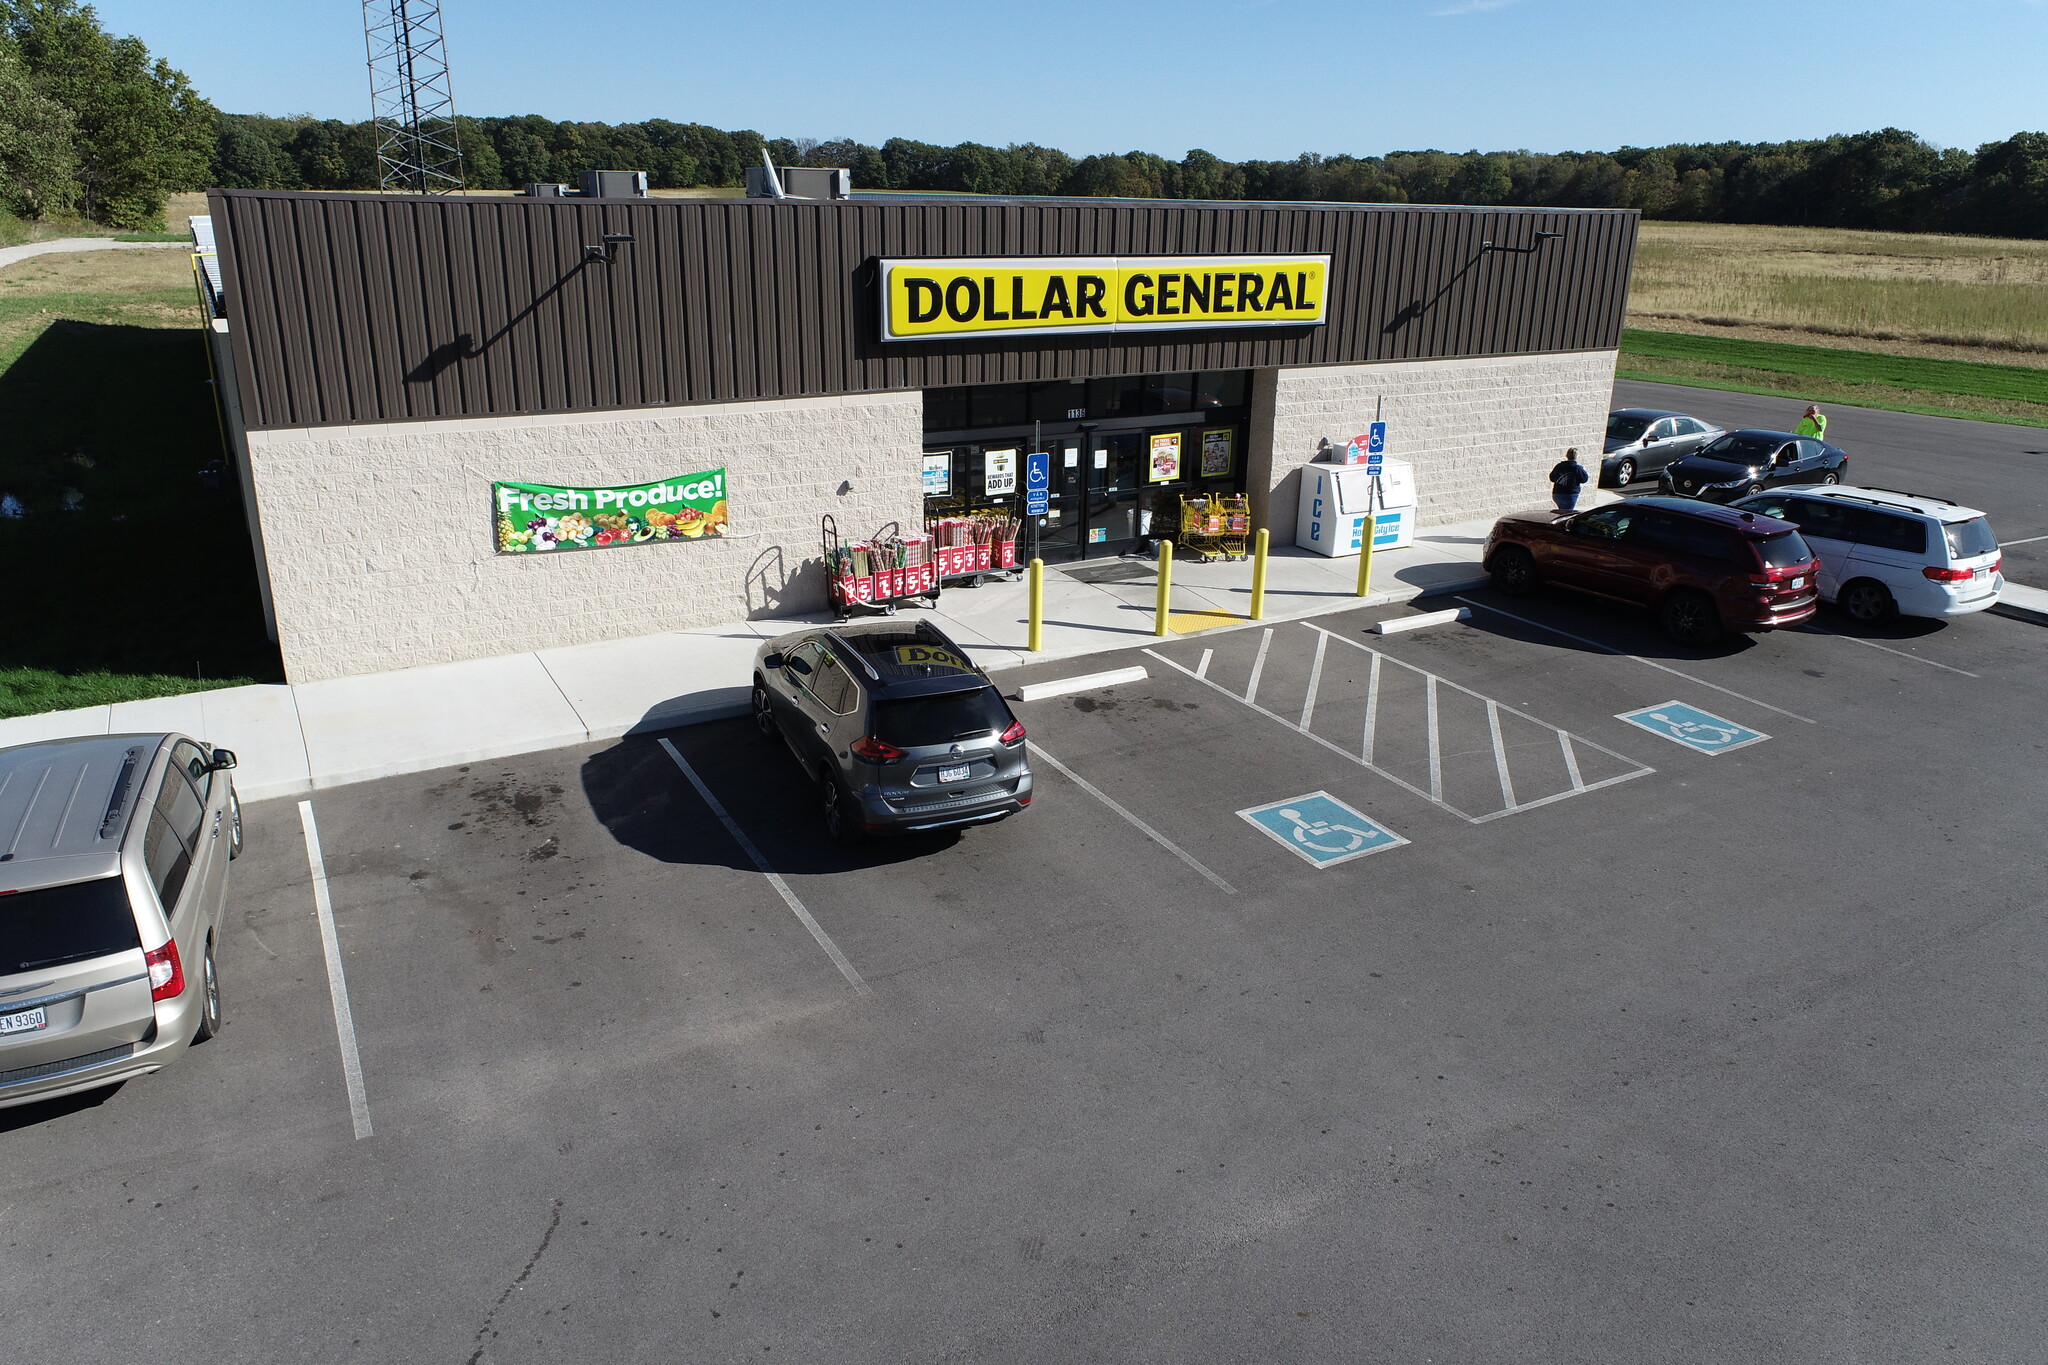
1623	629
43	1111
646	802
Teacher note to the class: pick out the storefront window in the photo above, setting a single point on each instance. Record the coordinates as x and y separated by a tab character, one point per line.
1223	389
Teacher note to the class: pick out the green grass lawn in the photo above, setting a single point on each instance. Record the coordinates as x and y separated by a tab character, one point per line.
121	577
1946	388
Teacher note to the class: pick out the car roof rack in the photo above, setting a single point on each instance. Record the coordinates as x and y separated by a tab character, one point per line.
846	648
1924	497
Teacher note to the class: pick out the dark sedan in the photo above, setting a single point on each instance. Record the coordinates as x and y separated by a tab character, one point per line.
1643	440
1744	462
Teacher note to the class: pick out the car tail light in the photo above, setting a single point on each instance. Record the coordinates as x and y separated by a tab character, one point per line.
1015	734
1949	575
1023	801
875	750
166	973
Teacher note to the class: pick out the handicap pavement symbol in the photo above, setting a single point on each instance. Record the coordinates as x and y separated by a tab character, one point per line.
1701	731
1321	829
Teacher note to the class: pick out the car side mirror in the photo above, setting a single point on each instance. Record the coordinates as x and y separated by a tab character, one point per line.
223	759
771	661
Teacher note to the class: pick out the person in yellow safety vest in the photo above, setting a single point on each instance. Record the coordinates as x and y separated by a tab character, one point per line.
1814	424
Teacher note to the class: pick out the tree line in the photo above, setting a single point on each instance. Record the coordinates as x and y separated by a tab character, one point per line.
1886	179
90	124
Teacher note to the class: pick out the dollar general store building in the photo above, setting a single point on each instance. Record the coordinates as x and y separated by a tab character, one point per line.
389	364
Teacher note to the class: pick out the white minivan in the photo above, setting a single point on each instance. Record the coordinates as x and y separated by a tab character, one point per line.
1882	551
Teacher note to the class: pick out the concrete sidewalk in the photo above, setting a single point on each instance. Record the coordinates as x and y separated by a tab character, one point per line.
293	738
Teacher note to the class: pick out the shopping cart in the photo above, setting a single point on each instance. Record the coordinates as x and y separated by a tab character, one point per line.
1215	526
880	573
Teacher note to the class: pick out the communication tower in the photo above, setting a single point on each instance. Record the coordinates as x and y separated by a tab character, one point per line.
411	101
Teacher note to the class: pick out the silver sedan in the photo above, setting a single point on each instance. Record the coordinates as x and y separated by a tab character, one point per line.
1643	440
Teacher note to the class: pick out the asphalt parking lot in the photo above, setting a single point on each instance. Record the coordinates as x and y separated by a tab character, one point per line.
1612	1049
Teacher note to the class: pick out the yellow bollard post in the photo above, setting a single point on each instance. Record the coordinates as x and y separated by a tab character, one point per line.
1259	576
1037	639
1165	586
1365	559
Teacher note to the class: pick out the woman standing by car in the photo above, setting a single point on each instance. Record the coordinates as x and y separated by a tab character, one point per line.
1567	476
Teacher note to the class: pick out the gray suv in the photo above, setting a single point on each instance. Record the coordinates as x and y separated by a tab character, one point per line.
898	729
114	853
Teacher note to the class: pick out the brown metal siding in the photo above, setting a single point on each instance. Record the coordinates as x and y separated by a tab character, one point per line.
367	308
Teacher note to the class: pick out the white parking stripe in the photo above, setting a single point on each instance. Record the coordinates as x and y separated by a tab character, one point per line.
789	897
1203	671
1571	761
1372	707
1624	654
1251	690
1436	744
1816	630
337	980
1500	754
2027	541
1315	677
1150	833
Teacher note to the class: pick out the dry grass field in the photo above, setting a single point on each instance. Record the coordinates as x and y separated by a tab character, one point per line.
1950	298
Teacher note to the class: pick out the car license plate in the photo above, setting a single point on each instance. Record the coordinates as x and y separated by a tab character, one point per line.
1799	582
957	773
28	1021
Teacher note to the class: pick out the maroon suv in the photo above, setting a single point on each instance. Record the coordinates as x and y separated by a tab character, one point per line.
1702	568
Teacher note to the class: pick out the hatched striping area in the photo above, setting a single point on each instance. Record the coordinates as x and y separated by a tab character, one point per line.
1466	753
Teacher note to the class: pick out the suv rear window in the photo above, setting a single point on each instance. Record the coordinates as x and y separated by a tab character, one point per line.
1783	550
1968	539
912	722
59	924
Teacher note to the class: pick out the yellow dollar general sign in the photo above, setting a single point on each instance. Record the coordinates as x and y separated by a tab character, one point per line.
999	295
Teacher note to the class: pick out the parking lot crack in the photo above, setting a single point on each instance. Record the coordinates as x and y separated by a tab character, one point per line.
483	1332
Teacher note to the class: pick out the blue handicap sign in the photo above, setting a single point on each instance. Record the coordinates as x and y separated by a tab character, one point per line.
1037	482
1376	440
1321	829
1701	731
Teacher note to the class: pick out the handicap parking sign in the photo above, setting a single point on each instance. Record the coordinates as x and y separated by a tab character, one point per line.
1700	731
1321	829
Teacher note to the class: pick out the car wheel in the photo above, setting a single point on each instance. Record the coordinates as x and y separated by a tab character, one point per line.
1834	475
1866	601
234	824
839	825
1514	571
1624	473
209	982
1691	618
1752	490
764	714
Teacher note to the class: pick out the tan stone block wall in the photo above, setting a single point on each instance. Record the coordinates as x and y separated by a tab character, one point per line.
382	549
1482	434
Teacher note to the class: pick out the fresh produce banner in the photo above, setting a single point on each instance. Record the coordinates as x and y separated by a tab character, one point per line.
540	516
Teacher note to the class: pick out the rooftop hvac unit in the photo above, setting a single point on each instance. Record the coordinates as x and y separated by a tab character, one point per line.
800	182
615	184
546	191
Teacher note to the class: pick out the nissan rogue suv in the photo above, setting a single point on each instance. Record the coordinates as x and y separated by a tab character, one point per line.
898	729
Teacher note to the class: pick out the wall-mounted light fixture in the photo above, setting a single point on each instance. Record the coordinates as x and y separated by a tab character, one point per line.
1531	249
607	253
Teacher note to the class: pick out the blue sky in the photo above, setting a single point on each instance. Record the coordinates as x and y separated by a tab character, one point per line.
1243	78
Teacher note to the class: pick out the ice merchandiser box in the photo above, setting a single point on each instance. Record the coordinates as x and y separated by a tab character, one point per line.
1336	500
1393	525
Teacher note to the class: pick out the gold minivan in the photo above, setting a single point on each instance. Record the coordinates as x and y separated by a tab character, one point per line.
114	855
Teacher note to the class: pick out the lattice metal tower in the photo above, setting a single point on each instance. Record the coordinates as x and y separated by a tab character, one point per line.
411	102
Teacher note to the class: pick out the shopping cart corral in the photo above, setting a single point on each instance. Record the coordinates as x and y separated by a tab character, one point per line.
881	573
